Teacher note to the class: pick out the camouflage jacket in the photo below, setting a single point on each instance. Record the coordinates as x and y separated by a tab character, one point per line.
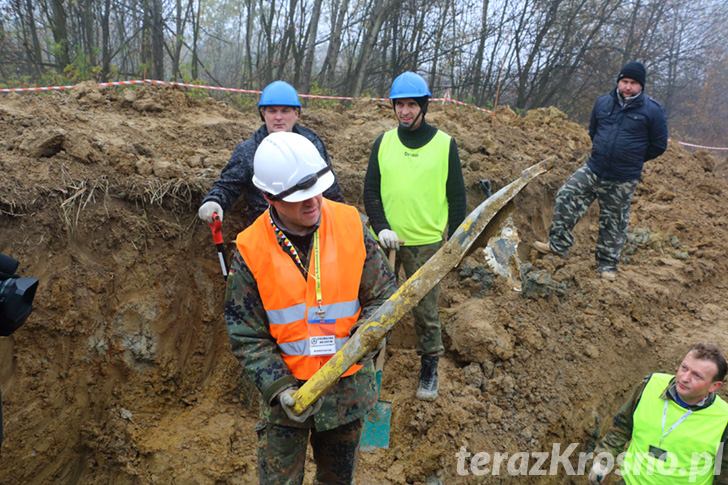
616	439
251	342
237	176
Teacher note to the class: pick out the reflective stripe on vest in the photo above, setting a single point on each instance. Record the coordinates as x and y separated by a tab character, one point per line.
289	299
691	446
413	187
298	312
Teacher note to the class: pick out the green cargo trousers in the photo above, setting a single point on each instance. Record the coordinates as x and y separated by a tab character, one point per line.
427	320
282	453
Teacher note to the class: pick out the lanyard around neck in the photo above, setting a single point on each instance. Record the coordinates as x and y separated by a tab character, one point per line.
675	424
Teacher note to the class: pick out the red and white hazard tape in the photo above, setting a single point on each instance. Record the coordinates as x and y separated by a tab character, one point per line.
64	88
154	82
702	146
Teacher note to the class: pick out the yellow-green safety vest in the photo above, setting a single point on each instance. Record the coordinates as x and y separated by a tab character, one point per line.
413	187
691	439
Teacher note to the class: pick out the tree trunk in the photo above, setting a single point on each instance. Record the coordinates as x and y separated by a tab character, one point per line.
248	67
372	32
36	56
87	20
60	35
157	40
105	47
525	71
268	30
195	39
288	39
328	70
630	40
180	22
490	85
479	54
310	52
436	49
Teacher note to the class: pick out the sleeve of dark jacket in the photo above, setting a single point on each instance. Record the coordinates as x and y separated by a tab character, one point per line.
236	178
657	131
373	191
593	120
250	339
455	190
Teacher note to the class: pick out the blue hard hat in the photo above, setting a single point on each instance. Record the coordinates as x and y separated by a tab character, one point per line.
409	85
279	93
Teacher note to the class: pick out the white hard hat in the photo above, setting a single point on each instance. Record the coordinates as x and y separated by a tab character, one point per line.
287	166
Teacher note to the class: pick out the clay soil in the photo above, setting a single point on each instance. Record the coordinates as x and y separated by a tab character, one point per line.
123	373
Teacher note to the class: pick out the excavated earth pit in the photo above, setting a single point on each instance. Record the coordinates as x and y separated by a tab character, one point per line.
123	373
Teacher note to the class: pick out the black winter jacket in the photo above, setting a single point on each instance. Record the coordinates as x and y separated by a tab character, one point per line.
624	138
237	176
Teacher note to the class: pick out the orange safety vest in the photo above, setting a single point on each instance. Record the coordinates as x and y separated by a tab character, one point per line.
306	337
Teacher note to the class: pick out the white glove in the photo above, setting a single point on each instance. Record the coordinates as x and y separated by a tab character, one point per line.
598	472
388	239
287	402
207	209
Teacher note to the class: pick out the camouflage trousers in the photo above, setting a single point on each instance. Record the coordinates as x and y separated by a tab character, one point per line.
427	320
572	201
282	453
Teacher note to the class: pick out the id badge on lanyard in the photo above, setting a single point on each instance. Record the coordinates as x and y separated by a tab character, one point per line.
324	343
657	451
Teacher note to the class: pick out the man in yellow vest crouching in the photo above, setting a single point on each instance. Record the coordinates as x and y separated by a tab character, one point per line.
304	273
413	193
675	426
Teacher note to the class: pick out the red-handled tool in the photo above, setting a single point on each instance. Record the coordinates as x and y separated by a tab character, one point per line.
216	228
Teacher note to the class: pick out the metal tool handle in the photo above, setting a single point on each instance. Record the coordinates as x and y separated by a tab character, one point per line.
216	228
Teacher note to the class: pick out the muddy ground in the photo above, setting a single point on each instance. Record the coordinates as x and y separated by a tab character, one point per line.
123	373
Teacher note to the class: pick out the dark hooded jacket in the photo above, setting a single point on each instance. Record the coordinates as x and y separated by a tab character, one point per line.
237	176
625	137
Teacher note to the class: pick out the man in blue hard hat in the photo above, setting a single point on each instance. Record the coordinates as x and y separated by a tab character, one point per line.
279	109
413	193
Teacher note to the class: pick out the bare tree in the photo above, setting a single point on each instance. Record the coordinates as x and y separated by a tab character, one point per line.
374	24
310	52
338	9
60	34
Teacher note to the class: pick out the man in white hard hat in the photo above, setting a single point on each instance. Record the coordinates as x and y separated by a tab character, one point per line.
279	109
304	273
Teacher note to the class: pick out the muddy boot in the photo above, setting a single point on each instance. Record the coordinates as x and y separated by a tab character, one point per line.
427	390
609	275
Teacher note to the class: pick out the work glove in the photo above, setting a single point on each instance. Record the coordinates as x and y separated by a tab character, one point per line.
598	472
287	402
388	239
207	209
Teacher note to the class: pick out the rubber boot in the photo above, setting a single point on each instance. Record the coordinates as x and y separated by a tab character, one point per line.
427	390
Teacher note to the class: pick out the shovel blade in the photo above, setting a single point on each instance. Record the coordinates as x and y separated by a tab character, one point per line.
375	434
